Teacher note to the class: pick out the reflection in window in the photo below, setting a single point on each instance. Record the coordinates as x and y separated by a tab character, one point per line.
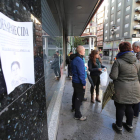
24	8
17	4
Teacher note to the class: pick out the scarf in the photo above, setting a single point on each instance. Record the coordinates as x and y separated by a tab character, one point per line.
98	62
121	53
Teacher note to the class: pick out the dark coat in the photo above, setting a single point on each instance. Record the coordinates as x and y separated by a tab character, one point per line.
94	70
125	74
55	63
78	69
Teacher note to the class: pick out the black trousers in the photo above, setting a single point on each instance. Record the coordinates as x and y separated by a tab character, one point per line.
69	70
136	108
96	81
122	109
77	98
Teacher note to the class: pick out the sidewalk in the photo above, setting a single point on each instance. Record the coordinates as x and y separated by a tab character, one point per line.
98	125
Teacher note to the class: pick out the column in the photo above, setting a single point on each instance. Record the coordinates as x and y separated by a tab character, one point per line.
46	46
93	43
89	45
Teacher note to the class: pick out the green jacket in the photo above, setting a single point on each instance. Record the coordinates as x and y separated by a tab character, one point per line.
125	74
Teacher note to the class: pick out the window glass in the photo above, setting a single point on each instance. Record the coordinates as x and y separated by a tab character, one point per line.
126	33
117	35
126	25
127	16
118	20
128	8
112	8
119	4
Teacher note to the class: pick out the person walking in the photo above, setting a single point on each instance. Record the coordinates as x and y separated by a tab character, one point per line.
95	67
124	74
78	81
136	49
55	67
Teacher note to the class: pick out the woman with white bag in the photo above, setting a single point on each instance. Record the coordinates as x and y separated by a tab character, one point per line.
95	68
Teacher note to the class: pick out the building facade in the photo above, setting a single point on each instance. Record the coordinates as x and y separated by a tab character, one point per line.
100	21
90	36
123	16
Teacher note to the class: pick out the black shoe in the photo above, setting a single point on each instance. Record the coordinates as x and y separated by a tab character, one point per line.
85	99
116	128
92	101
98	100
128	128
72	110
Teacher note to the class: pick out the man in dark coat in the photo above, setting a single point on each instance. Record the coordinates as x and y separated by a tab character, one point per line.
79	82
68	62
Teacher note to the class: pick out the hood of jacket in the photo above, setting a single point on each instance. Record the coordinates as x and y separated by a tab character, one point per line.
72	56
129	57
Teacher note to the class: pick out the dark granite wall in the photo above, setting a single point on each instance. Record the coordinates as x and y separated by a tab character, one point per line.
23	112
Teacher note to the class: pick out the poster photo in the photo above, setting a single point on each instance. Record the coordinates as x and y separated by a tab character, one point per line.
16	52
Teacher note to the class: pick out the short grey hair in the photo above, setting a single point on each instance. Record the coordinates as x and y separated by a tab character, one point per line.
137	43
79	48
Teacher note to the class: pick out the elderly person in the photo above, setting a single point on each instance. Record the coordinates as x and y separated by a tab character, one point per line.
78	80
124	74
136	49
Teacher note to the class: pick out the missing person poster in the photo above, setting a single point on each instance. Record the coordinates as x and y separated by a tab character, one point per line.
16	52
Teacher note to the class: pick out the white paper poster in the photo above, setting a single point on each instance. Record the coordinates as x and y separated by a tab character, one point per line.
16	52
